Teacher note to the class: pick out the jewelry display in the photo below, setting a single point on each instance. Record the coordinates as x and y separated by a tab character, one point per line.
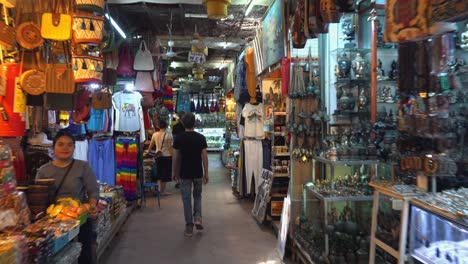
450	201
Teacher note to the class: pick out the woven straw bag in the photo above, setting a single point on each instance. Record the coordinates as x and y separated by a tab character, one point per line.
87	28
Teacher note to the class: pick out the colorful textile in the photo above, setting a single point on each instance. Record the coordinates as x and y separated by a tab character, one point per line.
101	160
126	150
168	98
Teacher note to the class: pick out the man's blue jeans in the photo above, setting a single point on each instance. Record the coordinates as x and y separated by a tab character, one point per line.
186	192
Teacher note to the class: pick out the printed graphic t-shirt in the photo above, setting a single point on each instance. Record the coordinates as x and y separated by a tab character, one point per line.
254	116
128	107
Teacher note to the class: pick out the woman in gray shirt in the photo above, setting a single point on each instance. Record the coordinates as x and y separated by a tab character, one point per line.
80	183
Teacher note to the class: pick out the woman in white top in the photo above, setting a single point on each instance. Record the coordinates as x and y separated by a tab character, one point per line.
163	141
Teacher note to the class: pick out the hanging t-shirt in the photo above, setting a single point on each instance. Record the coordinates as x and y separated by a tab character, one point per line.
254	116
127	107
96	120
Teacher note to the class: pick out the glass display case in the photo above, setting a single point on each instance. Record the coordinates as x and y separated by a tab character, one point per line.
437	237
214	137
334	229
334	224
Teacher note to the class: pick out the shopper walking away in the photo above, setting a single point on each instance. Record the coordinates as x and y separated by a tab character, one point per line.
177	128
75	179
163	141
190	168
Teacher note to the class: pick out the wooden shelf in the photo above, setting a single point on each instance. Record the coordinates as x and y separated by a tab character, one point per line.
280	113
286	154
286	175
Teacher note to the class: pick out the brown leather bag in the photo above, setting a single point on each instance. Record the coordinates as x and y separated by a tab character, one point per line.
148	100
59	76
101	100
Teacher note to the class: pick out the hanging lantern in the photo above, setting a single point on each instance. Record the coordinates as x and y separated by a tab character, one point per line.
217	9
198	73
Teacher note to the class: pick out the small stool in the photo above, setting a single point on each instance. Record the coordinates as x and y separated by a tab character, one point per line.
156	188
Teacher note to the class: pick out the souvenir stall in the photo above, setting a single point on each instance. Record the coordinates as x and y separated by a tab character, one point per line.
389	143
85	79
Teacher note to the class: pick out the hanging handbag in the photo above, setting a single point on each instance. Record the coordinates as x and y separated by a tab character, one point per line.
148	100
109	75
101	99
90	5
81	106
56	25
33	81
87	28
7	32
87	69
28	33
144	82
143	59
125	67
59	76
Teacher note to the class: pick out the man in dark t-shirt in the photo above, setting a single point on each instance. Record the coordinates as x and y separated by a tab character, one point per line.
190	168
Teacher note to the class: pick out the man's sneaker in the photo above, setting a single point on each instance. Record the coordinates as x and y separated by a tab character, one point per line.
188	230
198	225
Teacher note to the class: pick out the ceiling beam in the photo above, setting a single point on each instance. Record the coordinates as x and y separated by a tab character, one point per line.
150	17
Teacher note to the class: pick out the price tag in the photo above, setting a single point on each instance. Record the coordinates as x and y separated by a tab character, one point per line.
196	57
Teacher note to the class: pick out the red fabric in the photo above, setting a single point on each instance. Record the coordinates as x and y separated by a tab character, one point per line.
125	61
14	126
146	120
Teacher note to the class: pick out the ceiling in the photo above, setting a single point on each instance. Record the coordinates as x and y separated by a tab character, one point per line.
225	38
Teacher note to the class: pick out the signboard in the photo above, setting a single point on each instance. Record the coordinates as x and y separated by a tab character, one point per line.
196	57
284	227
261	199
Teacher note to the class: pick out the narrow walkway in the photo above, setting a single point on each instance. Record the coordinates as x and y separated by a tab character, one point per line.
231	235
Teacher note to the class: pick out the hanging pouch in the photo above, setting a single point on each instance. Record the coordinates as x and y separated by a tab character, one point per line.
125	67
90	5
33	81
88	68
143	59
59	76
87	28
143	82
56	25
28	33
101	100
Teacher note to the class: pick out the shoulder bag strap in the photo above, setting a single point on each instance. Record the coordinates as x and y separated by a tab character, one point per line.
162	144
64	176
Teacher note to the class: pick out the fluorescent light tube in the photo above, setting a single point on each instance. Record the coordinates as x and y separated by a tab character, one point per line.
196	15
116	26
249	8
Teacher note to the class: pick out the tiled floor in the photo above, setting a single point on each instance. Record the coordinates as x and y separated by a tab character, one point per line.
231	235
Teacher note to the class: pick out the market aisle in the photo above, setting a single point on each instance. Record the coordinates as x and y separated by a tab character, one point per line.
231	235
